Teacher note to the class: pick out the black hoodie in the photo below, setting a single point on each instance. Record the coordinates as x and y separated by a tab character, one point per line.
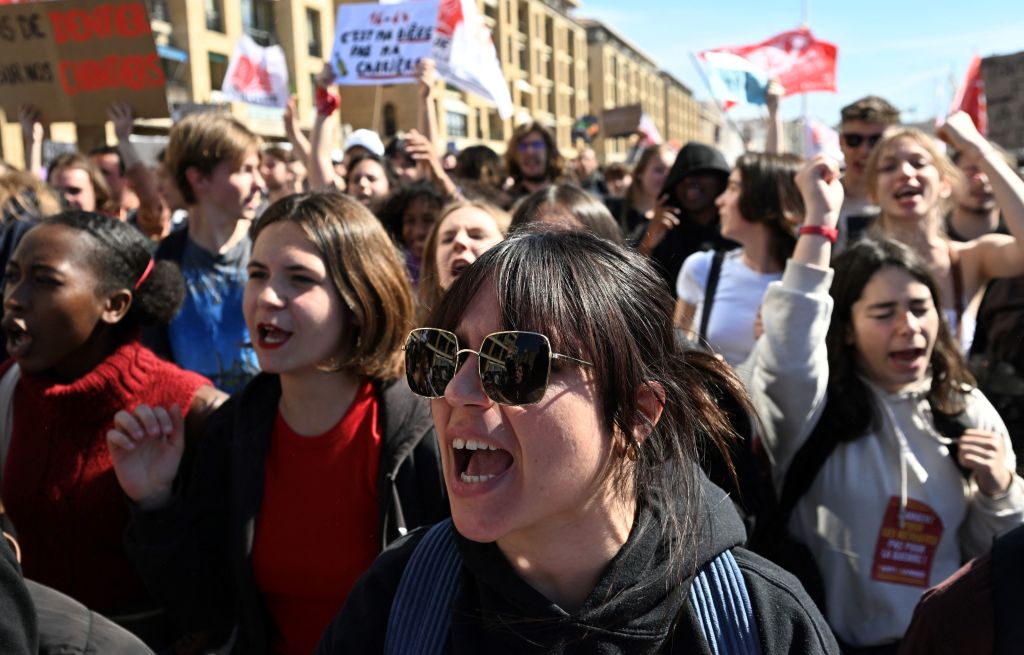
631	610
689	236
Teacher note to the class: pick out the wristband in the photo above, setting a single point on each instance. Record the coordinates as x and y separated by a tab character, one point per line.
326	101
830	233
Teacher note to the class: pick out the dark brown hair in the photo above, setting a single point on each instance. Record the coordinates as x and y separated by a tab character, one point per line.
366	269
556	163
855	413
870	109
768	195
605	303
104	201
569	205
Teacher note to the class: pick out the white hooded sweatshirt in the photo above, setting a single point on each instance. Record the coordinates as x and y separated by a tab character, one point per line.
889	514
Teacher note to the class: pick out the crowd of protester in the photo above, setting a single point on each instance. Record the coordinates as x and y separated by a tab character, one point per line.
766	405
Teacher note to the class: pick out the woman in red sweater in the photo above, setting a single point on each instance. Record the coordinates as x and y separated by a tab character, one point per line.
309	471
77	290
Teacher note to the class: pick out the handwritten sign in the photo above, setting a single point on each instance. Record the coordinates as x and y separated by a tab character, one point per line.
381	43
72	58
1004	93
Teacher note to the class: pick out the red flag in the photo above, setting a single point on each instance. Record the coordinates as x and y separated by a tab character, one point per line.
970	97
801	62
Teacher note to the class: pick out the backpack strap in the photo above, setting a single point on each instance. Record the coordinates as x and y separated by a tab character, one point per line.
709	293
723	609
421	610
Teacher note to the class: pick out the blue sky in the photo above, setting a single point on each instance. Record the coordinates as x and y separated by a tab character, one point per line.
911	52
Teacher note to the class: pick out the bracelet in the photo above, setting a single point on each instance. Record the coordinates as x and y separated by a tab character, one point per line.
830	233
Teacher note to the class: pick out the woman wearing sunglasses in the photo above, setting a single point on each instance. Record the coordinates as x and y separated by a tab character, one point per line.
911	180
303	476
569	422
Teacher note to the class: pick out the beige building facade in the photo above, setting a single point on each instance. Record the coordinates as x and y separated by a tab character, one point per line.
559	68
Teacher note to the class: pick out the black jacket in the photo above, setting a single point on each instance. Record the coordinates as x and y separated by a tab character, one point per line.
196	554
689	236
631	610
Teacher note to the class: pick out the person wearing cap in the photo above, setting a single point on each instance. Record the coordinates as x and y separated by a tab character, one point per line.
686	218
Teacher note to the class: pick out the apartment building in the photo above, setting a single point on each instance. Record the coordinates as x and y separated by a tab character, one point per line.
195	39
622	75
559	68
543	54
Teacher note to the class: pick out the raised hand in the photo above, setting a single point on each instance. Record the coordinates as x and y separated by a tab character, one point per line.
146	447
426	75
666	218
960	132
120	114
31	120
984	453
822	191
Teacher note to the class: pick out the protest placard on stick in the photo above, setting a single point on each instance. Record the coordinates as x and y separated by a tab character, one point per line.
381	43
72	58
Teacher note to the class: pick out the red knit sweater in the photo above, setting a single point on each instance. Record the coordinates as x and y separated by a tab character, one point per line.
59	486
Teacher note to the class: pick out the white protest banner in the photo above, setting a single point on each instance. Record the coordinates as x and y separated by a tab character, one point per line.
380	44
257	75
465	54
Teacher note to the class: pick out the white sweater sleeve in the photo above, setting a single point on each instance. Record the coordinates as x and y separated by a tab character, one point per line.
987	517
789	371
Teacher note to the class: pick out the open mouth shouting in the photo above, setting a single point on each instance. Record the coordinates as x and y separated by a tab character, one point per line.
18	338
477	462
908	359
270	337
458	267
907	196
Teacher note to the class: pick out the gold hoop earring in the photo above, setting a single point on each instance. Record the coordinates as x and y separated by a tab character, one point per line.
632	450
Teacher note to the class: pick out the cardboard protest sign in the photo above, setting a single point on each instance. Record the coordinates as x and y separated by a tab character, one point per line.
72	58
1004	93
257	75
380	44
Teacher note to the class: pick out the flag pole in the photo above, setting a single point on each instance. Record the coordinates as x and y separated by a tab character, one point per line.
806	24
718	103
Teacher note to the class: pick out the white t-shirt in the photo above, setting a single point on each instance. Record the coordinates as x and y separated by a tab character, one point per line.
737	299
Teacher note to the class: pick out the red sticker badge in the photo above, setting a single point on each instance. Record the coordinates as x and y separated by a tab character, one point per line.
904	554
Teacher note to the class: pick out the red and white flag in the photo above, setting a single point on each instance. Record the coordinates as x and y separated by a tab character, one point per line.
801	62
257	75
970	97
465	54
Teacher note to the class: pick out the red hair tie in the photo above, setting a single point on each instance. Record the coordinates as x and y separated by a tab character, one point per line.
145	274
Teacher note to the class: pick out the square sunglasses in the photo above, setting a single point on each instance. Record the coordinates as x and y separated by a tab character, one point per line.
514	366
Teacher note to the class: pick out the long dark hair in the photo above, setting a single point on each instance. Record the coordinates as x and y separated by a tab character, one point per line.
855	414
769	195
605	303
568	202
